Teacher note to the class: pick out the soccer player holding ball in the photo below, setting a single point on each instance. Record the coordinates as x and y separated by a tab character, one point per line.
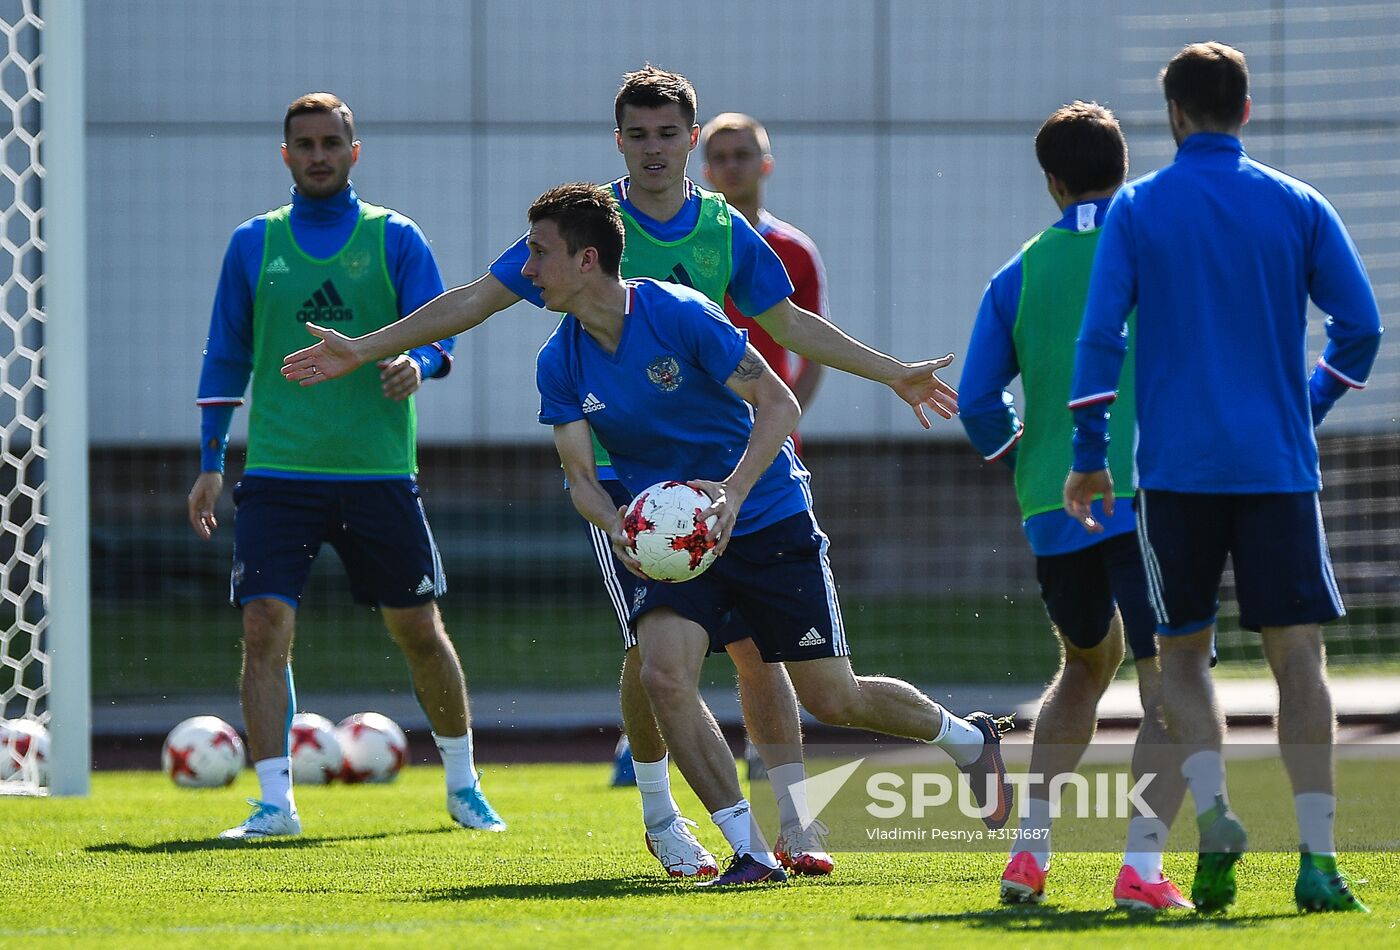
674	391
325	258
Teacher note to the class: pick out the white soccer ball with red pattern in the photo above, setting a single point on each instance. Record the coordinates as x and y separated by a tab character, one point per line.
663	523
24	751
315	749
372	748
202	752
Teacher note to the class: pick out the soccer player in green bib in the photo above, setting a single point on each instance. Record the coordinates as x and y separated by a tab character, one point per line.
1093	585
675	231
327	258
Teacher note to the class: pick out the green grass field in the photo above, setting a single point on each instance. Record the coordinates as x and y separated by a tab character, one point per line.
382	866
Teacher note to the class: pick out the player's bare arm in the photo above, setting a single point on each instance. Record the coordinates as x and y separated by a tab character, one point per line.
775	415
811	335
1080	490
574	443
451	312
202	499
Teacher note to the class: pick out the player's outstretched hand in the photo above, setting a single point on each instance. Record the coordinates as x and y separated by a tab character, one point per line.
920	386
622	545
400	377
203	497
1080	490
723	506
334	356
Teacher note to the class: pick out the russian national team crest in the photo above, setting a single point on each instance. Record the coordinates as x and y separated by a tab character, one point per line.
706	260
357	263
665	373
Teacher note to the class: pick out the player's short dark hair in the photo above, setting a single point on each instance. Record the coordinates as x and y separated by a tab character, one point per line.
1082	145
1210	82
318	102
650	87
587	216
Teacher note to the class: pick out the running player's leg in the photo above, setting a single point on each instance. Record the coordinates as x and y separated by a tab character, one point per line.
673	647
668	833
1141	883
1076	591
383	538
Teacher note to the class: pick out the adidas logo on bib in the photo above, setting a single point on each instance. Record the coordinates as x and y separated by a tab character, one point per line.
278	266
811	639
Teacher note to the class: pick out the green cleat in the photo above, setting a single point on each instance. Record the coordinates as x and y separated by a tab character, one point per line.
1321	887
1223	842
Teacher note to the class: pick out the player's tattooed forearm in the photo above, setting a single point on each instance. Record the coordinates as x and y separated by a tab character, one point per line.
750	367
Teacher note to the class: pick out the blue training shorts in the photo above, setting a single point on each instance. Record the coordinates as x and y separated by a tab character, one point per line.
1082	588
776	580
621	584
1276	543
378	528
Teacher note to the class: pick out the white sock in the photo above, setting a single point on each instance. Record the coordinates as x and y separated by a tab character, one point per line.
791	794
1205	776
959	738
1316	813
1033	833
457	760
1143	852
659	809
275	782
736	823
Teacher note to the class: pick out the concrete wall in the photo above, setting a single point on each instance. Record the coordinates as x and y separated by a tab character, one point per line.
902	130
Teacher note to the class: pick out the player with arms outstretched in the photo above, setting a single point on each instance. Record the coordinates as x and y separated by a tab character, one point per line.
675	392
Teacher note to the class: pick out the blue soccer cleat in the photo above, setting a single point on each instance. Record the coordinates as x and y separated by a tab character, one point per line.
266	821
470	809
624	772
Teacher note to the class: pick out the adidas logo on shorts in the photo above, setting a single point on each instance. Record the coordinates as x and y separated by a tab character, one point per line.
425	586
811	639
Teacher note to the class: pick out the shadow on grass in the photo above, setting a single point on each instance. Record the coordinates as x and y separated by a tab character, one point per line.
1047	918
185	845
562	890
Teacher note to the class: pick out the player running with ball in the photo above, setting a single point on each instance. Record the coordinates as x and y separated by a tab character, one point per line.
674	391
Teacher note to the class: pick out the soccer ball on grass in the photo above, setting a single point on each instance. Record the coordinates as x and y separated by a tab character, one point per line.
202	752
372	748
316	756
24	751
663	523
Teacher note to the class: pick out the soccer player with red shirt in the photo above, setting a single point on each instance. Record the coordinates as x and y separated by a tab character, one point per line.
738	159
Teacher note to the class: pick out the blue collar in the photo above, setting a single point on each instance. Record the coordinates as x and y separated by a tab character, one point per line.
324	210
1210	143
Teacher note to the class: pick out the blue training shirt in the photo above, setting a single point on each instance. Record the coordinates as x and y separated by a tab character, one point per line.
659	404
988	412
1220	254
321	227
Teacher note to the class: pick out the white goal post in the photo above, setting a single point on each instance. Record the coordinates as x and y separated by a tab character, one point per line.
45	674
